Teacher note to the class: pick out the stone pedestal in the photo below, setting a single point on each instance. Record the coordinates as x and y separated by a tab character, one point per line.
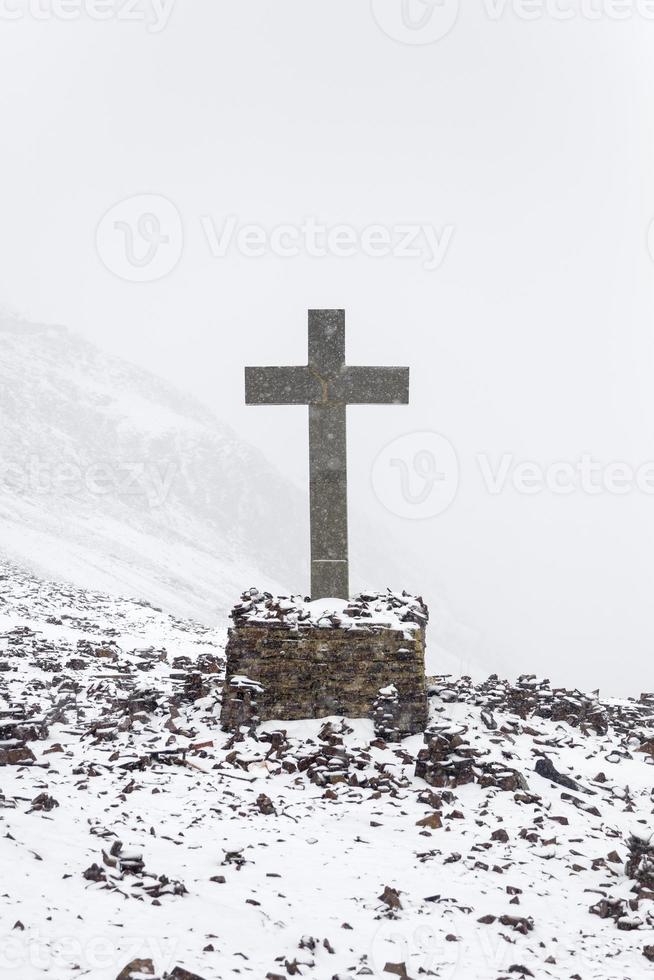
289	659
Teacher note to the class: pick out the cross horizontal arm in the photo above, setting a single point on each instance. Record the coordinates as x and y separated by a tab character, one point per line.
375	385
280	386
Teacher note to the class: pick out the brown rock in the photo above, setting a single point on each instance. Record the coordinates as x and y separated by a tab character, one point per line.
19	756
136	967
398	970
518	923
43	802
265	804
432	821
391	897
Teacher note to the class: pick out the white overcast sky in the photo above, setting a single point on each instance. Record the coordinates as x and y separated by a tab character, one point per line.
533	140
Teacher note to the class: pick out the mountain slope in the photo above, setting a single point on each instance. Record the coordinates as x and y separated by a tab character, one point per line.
111	478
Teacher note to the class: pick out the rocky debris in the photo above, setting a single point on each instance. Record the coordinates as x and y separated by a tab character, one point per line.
179	973
387	715
640	864
197	679
124	871
265	804
282	819
391	898
23	729
139	969
327	764
43	802
517	923
240	709
361	612
630	914
449	760
433	821
195	687
530	697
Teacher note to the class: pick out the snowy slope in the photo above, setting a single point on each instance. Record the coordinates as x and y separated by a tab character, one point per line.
113	479
306	848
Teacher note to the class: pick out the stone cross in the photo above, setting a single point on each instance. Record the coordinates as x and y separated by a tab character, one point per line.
327	384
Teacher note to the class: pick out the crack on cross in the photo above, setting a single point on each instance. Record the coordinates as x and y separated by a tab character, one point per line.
324	384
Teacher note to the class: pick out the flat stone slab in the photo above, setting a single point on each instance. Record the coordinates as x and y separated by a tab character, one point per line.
290	658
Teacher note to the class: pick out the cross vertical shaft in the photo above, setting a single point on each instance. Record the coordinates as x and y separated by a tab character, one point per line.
328	458
328	500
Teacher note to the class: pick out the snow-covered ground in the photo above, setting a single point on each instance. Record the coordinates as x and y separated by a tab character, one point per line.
140	831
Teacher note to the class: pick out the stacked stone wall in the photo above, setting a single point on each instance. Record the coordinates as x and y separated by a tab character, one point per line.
281	672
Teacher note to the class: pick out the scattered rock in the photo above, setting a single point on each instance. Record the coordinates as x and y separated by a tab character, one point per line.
43	802
391	897
135	968
16	755
545	768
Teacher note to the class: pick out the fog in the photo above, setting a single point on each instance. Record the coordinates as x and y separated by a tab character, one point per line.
479	204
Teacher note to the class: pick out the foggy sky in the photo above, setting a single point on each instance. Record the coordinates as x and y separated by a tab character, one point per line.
531	140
